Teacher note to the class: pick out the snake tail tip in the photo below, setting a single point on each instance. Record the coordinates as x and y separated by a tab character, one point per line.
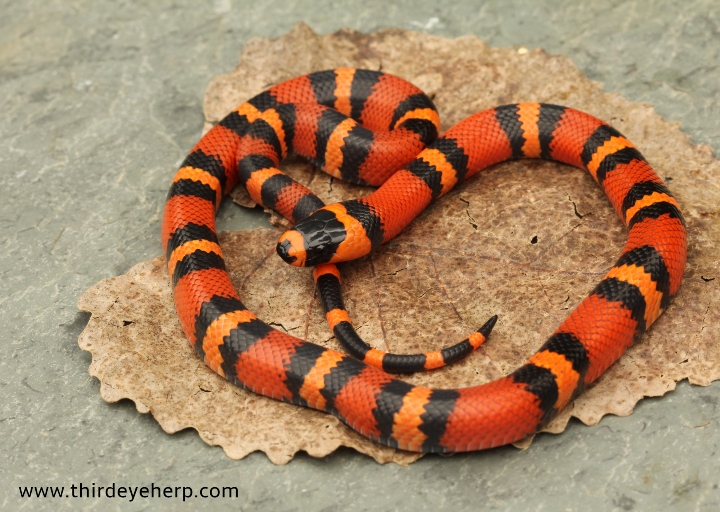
488	326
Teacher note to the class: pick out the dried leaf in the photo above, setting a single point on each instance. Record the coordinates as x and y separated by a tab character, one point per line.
524	240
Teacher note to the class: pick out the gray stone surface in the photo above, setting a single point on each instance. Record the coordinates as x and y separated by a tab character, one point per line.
102	99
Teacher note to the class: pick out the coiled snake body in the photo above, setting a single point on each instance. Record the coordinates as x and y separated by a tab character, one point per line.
362	126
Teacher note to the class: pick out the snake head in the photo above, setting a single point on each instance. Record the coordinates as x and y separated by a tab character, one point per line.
329	235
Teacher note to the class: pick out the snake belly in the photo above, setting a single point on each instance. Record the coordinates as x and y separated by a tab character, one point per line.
246	351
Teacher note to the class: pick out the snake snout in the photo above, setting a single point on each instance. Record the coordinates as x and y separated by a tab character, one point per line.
291	248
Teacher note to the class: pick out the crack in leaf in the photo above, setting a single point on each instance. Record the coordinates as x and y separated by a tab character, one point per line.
472	220
577	213
702	323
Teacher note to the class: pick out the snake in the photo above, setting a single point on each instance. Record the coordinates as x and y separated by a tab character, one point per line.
373	128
